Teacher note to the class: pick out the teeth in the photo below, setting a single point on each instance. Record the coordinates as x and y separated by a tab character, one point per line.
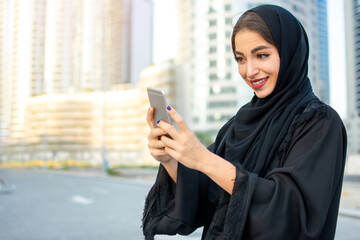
257	83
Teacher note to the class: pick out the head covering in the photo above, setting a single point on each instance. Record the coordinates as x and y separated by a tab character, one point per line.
252	140
253	136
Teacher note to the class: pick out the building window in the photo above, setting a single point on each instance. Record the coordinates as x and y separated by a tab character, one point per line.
228	75
211	10
217	118
212	36
212	23
216	90
212	49
213	77
227	7
212	63
228	21
229	62
221	104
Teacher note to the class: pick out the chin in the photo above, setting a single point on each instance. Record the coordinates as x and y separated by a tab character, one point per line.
264	91
262	95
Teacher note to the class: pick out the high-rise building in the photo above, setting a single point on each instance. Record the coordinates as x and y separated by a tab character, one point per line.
83	45
22	62
60	46
323	88
352	33
137	37
215	87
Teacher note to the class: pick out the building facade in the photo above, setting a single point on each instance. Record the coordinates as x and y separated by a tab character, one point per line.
93	126
352	33
57	47
216	88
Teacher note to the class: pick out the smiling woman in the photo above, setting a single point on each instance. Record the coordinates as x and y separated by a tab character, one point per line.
258	62
275	169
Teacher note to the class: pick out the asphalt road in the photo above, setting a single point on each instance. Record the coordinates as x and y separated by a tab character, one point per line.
64	205
49	205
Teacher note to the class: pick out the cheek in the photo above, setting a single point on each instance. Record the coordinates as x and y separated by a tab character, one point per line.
272	69
242	71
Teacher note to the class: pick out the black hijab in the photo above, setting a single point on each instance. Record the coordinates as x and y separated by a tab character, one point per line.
254	135
253	140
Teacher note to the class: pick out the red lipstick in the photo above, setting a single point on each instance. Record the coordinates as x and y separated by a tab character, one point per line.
258	83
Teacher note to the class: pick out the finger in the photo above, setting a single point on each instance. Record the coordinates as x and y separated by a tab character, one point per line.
150	117
158	152
168	142
156	144
173	133
155	133
172	153
177	118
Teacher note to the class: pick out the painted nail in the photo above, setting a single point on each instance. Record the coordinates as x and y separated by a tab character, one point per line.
168	108
157	122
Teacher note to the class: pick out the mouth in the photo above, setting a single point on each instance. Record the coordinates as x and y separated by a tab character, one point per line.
258	83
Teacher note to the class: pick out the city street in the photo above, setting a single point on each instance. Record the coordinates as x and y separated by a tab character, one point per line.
48	204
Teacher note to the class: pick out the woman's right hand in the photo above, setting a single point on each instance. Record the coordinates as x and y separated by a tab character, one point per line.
155	145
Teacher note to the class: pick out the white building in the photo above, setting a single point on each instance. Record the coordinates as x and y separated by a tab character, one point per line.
63	46
215	87
352	33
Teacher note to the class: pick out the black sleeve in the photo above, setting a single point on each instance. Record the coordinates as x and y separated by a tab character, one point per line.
177	208
300	199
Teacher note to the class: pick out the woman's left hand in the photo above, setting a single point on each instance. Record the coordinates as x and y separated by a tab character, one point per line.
183	144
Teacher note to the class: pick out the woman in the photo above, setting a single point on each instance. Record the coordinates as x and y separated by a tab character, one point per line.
275	170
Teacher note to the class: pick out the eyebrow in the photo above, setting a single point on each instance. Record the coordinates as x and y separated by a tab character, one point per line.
254	50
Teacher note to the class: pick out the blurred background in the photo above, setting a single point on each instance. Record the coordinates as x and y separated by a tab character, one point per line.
73	75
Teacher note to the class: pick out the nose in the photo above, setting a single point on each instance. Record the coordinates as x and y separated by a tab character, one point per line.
252	69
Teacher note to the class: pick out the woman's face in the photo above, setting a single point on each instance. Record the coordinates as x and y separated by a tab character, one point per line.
258	62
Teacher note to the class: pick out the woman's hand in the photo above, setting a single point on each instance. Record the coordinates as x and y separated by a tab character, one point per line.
183	144
155	145
184	147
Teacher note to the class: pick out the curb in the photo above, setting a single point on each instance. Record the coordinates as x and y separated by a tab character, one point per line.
349	212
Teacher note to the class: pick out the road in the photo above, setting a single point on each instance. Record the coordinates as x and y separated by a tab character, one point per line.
55	205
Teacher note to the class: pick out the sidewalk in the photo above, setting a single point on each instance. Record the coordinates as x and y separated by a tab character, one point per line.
350	197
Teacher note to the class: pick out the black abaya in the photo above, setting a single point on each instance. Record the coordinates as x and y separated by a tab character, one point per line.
289	152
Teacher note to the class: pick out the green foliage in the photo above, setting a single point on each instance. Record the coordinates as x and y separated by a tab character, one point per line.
113	172
204	137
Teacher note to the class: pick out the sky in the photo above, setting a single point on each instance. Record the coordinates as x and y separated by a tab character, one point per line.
165	45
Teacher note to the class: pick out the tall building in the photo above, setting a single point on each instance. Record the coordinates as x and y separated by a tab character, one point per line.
352	33
83	44
323	88
66	46
137	37
216	90
22	60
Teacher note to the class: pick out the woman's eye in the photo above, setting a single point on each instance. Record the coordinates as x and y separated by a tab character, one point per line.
239	59
263	55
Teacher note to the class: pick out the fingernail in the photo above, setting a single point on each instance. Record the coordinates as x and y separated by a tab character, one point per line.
157	122
168	108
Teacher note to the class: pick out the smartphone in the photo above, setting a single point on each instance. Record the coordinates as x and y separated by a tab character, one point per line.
158	101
